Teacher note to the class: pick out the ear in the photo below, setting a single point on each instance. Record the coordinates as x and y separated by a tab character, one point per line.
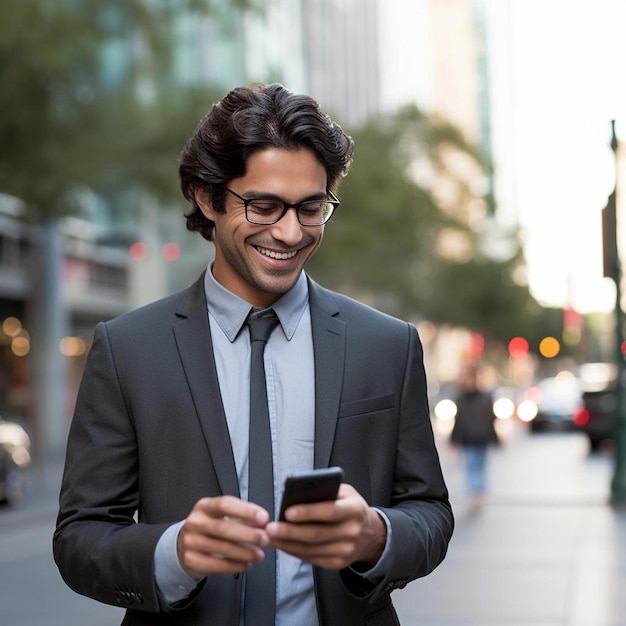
203	200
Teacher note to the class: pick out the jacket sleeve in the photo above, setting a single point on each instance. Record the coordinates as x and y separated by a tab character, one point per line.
99	548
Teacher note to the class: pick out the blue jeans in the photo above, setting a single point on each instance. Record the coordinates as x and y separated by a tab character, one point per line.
476	468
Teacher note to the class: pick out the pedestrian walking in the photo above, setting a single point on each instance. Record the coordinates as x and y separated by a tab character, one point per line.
474	431
193	410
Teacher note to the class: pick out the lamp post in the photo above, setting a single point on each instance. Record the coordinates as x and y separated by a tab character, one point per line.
612	268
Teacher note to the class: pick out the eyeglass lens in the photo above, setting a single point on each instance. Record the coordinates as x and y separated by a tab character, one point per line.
310	213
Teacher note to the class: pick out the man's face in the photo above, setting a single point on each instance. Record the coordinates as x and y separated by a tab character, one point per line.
261	263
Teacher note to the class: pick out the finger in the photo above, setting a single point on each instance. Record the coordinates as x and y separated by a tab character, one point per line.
200	563
222	546
201	529
319	512
230	506
349	503
314	534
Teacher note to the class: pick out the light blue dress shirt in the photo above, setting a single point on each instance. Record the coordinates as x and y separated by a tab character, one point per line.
289	365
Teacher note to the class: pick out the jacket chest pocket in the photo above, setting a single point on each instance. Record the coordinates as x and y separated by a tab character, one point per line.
366	406
366	437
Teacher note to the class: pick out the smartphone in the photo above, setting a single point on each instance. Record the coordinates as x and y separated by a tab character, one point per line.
318	485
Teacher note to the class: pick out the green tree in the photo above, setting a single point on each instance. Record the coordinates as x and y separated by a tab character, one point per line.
67	125
412	248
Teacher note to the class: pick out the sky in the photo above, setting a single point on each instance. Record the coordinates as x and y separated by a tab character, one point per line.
570	58
558	69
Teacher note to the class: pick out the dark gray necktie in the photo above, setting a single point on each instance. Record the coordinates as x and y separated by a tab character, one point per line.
260	599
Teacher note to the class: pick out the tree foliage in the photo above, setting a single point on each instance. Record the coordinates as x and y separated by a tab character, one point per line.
64	126
387	238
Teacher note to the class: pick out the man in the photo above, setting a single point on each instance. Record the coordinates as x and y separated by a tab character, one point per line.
153	513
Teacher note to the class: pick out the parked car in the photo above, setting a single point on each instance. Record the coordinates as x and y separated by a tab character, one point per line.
557	399
14	461
597	416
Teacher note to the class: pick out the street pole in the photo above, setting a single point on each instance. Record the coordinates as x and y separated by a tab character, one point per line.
618	484
49	324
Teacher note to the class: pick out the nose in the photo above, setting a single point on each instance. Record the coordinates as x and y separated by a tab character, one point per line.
288	229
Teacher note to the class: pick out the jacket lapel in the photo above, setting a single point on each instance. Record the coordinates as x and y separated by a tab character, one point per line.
329	347
193	337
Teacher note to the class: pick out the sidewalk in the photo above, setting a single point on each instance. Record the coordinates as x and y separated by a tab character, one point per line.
547	550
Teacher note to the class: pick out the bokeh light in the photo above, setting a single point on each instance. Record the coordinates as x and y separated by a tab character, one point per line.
503	408
138	251
170	251
445	410
73	346
11	326
20	345
549	347
527	410
518	347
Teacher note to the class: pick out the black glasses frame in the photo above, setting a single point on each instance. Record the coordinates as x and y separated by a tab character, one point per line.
334	201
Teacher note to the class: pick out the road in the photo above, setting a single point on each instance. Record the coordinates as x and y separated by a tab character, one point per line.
518	563
32	592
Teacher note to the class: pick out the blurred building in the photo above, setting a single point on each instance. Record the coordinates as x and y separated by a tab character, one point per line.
327	48
94	287
359	58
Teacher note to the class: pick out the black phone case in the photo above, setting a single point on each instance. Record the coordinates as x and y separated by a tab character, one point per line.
318	485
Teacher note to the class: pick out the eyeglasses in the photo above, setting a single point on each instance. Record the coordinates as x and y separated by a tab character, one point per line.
267	211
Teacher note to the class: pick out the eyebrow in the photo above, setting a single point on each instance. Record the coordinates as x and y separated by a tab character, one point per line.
254	194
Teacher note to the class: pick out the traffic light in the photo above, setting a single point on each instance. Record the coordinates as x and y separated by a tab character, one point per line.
518	348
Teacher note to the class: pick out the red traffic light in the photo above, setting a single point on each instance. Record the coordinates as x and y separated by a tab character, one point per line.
518	347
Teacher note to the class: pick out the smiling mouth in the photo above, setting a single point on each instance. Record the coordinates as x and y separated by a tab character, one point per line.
281	256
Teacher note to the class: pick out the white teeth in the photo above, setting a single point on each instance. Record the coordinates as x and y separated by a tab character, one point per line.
277	255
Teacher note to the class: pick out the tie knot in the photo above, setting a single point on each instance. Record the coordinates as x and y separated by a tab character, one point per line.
261	324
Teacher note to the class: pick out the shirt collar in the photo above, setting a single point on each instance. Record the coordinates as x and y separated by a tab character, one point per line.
230	311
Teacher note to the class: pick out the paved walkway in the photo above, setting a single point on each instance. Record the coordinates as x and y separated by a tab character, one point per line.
547	550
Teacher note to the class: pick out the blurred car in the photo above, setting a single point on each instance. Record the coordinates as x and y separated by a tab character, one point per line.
556	400
14	461
597	416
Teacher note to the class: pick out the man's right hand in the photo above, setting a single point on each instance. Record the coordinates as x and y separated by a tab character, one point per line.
222	535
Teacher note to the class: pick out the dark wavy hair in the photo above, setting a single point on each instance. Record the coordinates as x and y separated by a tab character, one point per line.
249	119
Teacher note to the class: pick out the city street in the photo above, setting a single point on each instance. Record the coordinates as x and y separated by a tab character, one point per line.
545	551
32	592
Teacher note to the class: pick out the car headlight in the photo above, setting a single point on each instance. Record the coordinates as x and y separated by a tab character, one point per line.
527	410
445	410
503	408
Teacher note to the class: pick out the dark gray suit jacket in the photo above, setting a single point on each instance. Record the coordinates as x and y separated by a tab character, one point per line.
149	438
